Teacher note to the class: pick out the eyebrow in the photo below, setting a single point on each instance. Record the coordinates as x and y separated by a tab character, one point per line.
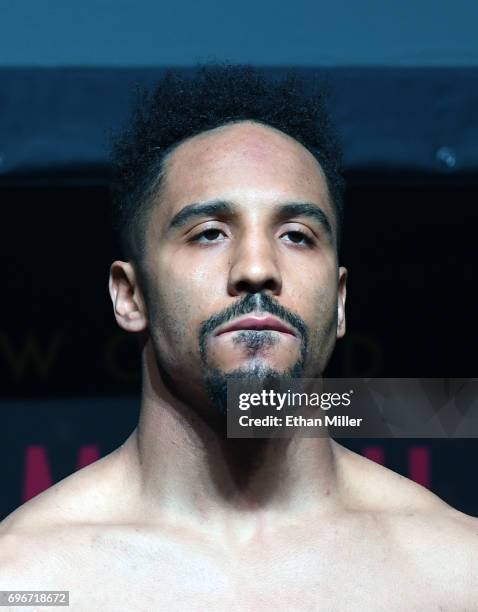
191	211
225	208
305	209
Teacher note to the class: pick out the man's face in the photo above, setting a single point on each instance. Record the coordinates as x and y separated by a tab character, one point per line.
240	237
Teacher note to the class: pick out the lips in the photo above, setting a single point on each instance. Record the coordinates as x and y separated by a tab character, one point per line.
260	323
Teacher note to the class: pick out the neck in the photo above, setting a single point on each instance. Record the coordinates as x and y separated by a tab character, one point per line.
190	474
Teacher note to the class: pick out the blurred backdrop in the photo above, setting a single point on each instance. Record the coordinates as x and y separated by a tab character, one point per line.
403	83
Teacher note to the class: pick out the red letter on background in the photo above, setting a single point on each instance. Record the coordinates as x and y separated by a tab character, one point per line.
37	472
375	453
419	465
87	455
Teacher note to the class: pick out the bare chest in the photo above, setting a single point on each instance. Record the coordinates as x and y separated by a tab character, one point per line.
144	578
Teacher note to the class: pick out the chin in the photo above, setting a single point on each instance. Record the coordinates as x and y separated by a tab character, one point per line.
259	372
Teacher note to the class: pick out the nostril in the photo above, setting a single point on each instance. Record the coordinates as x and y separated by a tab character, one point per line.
248	286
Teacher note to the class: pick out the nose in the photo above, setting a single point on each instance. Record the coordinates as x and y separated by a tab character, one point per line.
254	265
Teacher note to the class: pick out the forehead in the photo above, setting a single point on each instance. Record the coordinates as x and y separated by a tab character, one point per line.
247	163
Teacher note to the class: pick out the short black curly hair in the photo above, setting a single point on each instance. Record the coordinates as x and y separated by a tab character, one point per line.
180	107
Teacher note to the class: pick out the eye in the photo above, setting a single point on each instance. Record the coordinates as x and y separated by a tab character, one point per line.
300	238
211	234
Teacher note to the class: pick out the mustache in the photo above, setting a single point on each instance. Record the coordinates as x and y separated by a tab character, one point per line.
253	302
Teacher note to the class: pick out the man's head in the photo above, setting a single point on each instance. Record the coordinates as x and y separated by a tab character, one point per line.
228	200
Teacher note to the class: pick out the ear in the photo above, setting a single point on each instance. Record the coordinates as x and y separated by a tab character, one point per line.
128	302
341	295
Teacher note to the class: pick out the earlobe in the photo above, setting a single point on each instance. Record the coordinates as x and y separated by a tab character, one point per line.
128	304
341	295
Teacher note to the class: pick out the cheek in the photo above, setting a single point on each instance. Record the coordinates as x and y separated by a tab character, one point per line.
171	314
319	310
325	317
179	305
314	292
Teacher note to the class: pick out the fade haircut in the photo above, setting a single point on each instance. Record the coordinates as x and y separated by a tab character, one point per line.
179	108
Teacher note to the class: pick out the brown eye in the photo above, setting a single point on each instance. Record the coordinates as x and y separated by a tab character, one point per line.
297	237
209	235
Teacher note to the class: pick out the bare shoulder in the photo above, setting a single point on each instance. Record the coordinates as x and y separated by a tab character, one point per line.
83	496
441	545
373	487
43	531
439	542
